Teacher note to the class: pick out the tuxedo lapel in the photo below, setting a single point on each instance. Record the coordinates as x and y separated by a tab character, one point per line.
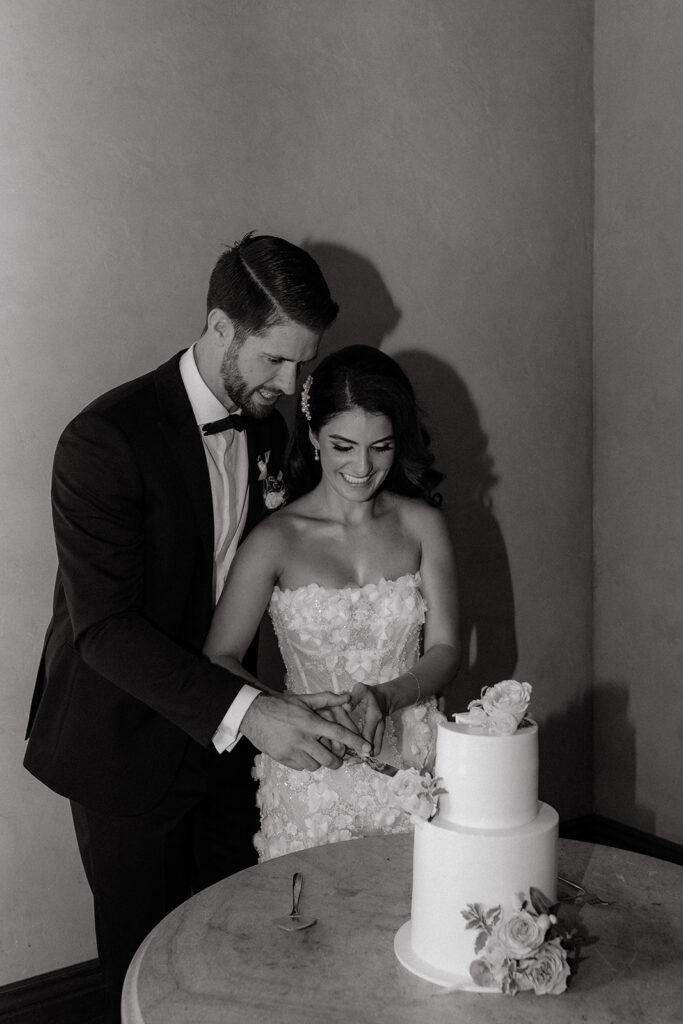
257	447
185	444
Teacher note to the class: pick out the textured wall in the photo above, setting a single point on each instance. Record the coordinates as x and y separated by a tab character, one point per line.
639	415
437	156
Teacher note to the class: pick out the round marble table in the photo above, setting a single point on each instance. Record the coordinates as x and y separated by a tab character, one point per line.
218	958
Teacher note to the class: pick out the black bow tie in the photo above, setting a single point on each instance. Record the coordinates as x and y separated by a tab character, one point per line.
230	422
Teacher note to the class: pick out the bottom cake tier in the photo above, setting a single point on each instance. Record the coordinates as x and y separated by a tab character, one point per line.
454	867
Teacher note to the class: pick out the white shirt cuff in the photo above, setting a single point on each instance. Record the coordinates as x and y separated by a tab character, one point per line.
228	732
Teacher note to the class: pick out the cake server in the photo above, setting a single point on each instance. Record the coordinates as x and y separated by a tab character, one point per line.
579	893
295	921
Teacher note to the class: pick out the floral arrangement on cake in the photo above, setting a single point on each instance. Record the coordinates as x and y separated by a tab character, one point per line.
502	708
525	950
416	793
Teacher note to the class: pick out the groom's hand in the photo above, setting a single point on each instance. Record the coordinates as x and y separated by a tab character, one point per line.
288	729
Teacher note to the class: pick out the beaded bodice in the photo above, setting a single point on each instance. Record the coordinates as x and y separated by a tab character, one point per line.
332	638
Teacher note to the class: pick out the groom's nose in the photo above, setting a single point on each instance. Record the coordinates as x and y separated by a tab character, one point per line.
285	379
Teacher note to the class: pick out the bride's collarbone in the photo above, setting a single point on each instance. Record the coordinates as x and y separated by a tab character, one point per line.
340	555
314	511
384	532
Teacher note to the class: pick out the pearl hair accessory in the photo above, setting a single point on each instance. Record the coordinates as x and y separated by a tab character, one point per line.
305	397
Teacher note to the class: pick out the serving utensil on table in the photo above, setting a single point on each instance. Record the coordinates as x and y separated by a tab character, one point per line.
295	921
577	892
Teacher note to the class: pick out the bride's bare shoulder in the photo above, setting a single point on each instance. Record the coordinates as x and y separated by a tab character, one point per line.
415	512
288	521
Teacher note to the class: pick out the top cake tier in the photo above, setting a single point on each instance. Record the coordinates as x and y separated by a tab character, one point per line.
491	781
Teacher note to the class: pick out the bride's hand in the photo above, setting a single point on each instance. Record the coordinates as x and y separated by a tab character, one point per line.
370	705
333	713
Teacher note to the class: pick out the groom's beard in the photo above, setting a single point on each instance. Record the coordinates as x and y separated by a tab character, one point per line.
239	391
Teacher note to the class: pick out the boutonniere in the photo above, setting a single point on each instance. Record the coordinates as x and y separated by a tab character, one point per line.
273	486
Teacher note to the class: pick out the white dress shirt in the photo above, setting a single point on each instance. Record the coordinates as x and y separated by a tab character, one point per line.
228	464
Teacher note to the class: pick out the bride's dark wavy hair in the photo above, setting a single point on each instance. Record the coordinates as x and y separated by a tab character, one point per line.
361	377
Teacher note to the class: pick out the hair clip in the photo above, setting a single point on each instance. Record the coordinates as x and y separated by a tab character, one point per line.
305	397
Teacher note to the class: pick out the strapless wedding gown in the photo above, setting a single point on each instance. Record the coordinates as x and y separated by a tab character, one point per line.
331	639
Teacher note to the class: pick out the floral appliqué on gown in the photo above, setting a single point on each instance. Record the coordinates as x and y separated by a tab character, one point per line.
331	639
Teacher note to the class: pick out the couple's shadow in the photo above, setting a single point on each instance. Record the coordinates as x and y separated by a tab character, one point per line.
369	315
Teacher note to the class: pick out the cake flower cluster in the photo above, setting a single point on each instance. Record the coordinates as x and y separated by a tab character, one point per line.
415	793
502	708
526	950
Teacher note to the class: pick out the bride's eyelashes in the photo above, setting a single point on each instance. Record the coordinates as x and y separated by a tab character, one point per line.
375	448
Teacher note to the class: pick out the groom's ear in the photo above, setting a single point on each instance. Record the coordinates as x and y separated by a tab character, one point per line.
221	326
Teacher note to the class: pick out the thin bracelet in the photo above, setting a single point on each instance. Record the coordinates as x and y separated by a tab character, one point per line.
419	691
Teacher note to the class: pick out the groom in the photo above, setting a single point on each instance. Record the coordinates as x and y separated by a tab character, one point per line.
154	485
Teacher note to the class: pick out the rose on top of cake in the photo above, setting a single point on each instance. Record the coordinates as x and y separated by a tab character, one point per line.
500	710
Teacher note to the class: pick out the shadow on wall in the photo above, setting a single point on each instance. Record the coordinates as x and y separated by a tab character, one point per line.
367	314
487	614
616	732
565	758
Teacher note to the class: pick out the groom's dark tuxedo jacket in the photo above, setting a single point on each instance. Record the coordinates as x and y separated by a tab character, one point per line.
122	683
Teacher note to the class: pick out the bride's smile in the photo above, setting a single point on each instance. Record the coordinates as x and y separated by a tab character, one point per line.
355	481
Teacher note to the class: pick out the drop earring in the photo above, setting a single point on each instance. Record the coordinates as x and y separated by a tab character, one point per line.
316	454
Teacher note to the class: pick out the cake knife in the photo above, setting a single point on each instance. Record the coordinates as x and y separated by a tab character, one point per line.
378	766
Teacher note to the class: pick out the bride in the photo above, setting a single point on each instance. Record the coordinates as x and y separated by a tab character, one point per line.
357	572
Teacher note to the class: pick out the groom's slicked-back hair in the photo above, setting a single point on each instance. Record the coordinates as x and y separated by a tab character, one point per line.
263	280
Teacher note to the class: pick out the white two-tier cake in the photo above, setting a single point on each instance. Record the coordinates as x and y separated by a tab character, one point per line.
490	840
